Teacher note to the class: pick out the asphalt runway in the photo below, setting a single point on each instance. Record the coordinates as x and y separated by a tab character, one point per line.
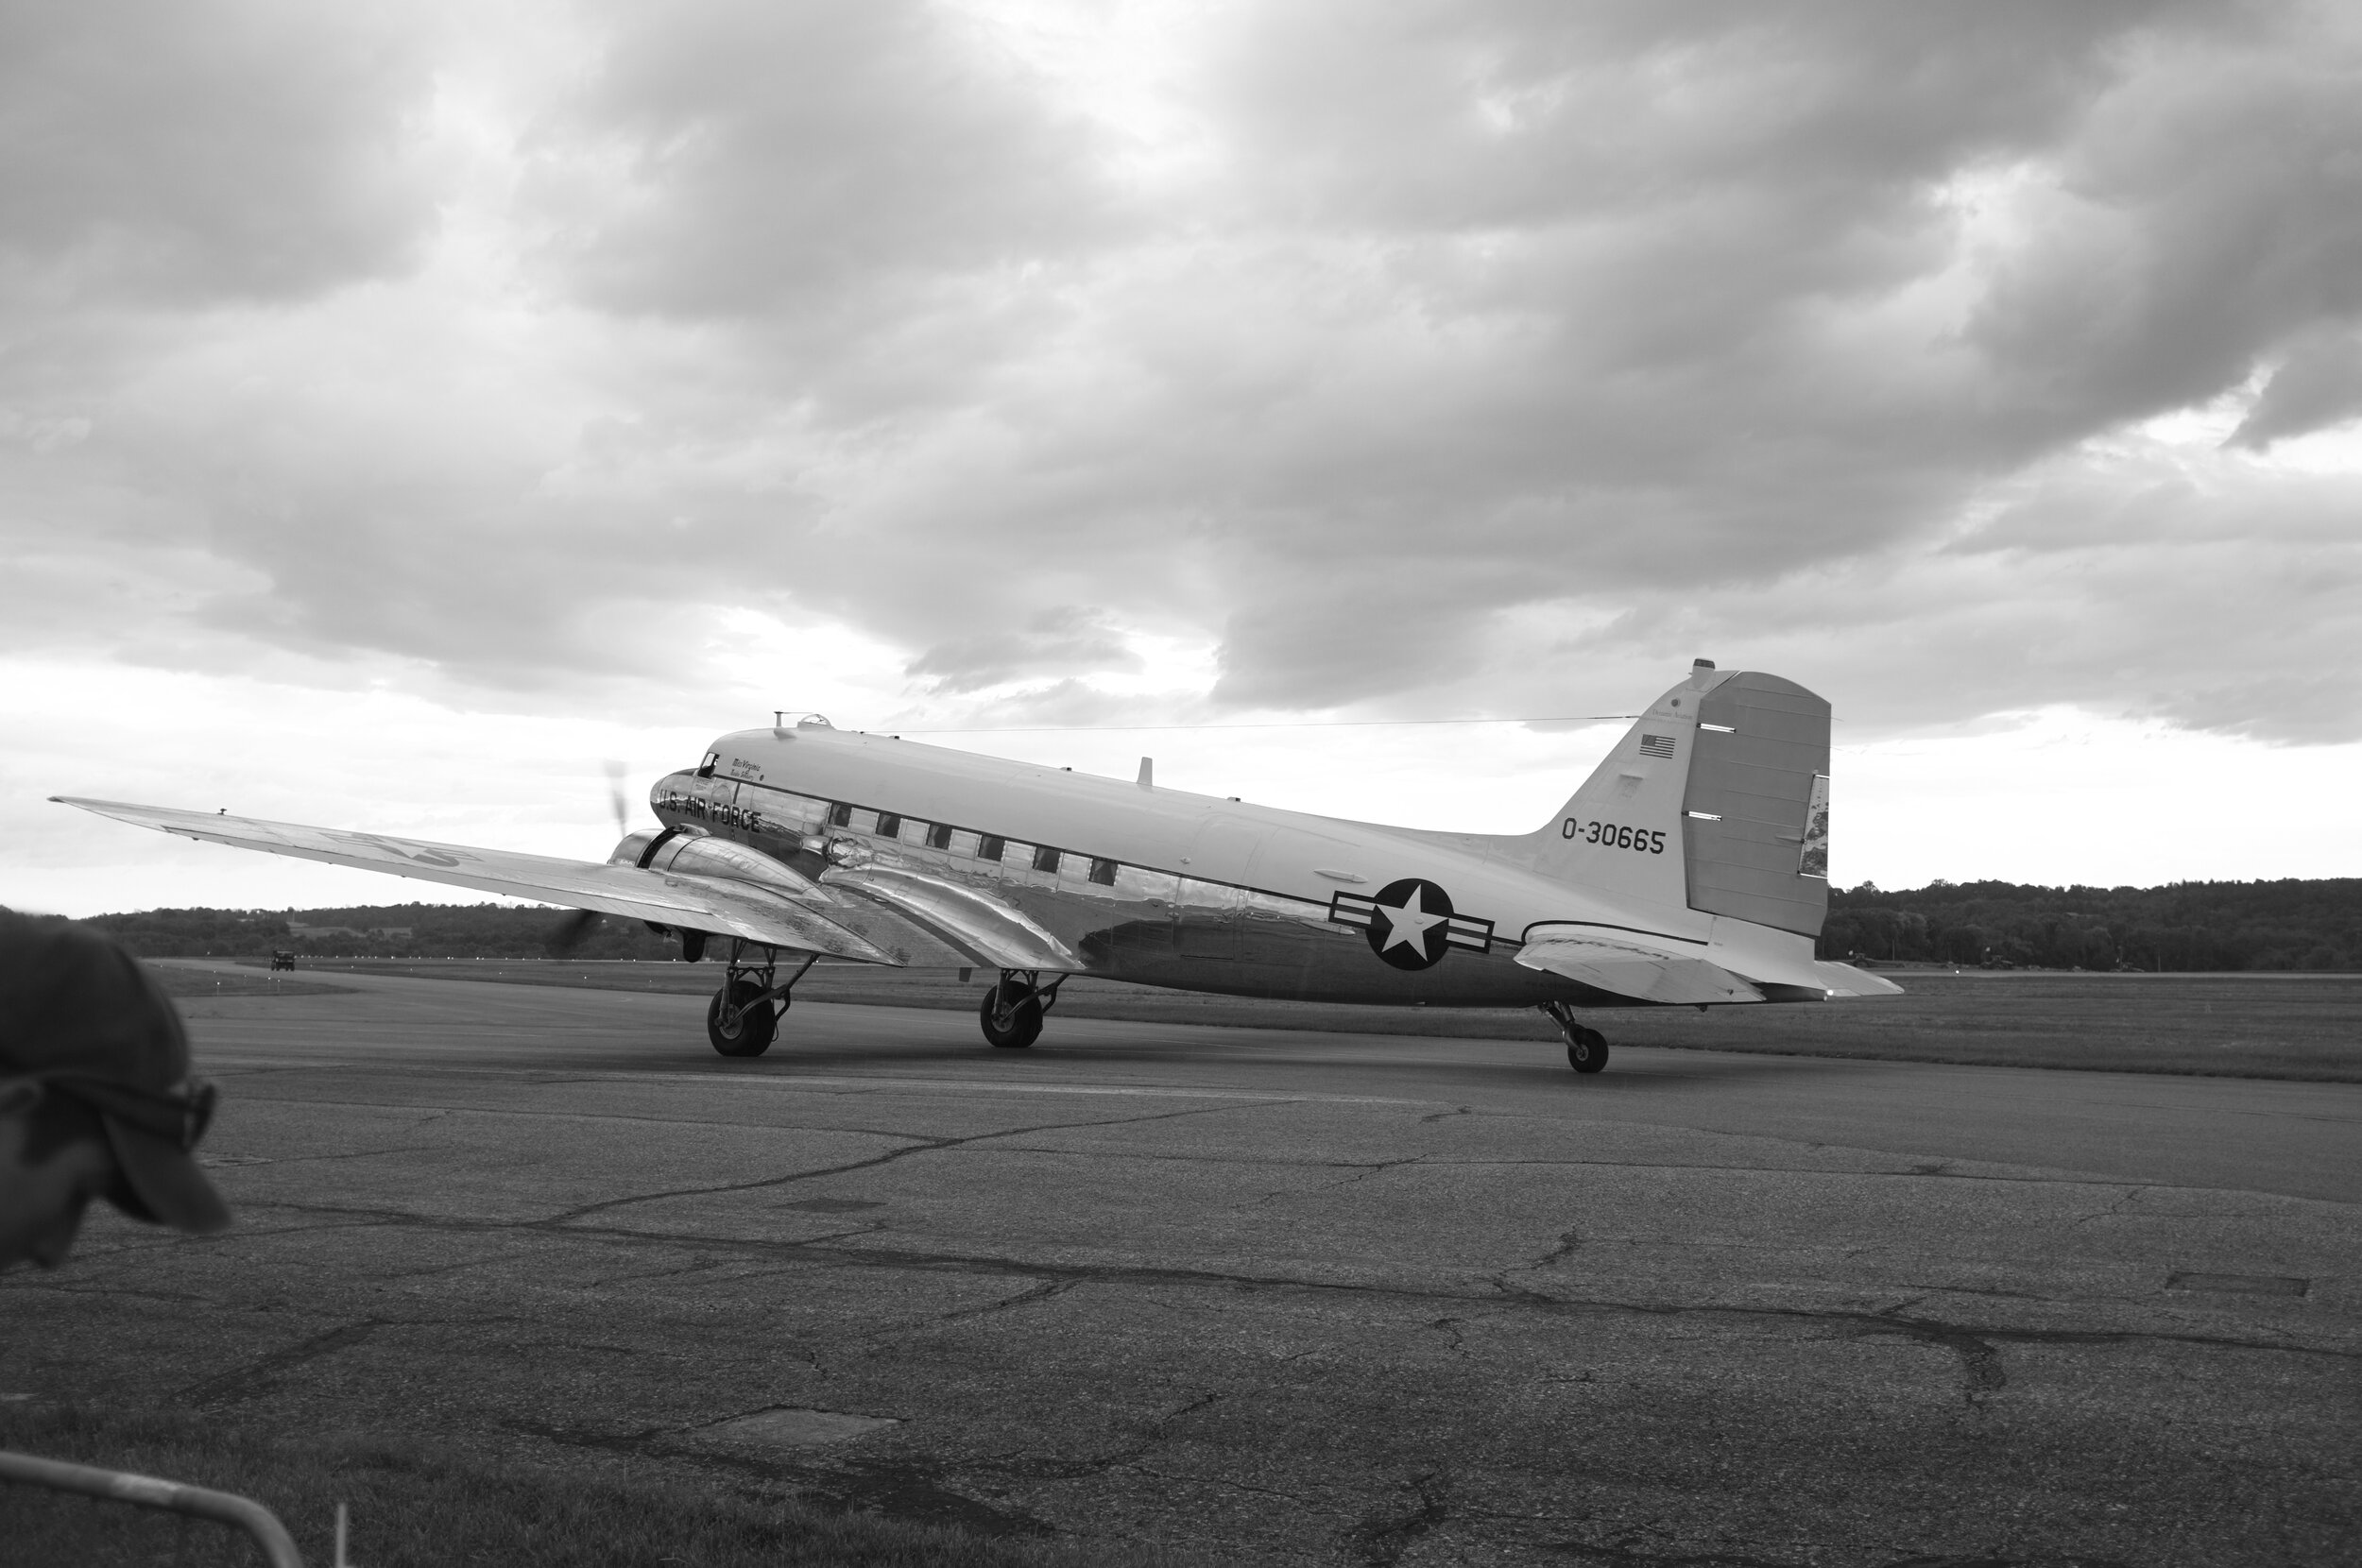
1272	1296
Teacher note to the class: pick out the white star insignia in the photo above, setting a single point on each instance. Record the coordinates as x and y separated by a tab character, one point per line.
1407	923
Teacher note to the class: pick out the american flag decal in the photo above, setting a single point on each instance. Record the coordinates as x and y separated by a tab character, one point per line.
1656	745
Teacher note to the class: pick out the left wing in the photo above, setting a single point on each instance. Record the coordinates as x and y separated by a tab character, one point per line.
668	898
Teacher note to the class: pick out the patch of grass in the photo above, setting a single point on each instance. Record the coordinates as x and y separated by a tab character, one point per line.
2305	1027
413	1507
196	984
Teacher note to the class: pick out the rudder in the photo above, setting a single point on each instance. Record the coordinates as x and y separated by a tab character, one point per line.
1756	812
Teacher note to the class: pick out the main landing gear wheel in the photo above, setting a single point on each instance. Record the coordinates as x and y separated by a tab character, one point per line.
737	1023
1011	1015
1587	1049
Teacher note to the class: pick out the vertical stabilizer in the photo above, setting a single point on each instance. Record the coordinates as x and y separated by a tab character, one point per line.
1755	813
1718	801
1621	832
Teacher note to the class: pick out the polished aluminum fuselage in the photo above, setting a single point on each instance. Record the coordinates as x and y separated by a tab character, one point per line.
1152	885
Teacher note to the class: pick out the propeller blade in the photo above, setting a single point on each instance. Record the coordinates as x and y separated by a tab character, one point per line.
570	931
615	794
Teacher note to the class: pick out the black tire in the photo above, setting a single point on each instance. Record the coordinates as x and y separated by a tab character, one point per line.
1586	1050
1024	1026
751	1033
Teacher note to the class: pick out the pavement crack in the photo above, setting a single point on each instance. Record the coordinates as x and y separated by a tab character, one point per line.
1046	1290
1125	1458
1497	1290
259	1376
2123	1201
1630	1556
1567	1242
917	1147
1384	1538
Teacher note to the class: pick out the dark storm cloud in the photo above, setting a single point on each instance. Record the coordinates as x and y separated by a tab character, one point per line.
1481	355
2209	212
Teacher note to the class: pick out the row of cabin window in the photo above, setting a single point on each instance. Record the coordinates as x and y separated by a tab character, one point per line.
937	835
1139	882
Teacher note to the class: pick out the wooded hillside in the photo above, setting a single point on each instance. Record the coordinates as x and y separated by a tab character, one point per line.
2182	926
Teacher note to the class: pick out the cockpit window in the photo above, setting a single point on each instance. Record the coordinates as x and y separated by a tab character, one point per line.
705	769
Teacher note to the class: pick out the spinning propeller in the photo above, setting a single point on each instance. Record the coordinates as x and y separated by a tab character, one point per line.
577	926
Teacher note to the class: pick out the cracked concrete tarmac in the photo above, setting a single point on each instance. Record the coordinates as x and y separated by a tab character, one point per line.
1275	1296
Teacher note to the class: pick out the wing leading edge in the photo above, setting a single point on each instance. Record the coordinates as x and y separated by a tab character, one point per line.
666	899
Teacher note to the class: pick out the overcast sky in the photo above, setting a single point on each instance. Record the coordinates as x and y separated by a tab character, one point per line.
403	408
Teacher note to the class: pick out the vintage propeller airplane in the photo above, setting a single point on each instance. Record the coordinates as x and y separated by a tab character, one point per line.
1691	869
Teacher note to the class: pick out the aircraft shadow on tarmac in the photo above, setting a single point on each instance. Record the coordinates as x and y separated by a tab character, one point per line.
1348	1064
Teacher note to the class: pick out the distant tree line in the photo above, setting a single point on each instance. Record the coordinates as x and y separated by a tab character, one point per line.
377	930
2182	926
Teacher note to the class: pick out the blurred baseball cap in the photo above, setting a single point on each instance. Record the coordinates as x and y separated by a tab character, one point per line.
82	1018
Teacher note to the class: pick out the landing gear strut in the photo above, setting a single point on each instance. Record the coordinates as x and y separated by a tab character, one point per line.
1013	1008
1586	1048
741	1018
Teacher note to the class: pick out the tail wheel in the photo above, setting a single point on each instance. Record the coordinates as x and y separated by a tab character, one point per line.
1587	1049
738	1024
1011	1016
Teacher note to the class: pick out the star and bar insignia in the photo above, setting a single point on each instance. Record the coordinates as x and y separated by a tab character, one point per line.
1410	924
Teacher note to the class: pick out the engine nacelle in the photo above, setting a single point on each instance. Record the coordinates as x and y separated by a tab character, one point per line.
693	851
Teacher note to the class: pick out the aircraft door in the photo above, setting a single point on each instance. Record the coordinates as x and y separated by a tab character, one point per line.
1206	919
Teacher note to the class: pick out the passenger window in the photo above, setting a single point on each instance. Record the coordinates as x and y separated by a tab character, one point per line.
939	836
840	815
1045	858
889	826
1103	871
989	846
1154	887
862	820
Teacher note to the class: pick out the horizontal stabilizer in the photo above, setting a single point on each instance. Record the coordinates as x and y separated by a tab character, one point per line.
1635	972
1844	979
714	904
1794	976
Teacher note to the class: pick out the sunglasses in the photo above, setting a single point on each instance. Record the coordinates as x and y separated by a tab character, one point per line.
178	1115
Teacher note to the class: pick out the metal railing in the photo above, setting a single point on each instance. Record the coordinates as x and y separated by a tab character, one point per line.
121	1486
